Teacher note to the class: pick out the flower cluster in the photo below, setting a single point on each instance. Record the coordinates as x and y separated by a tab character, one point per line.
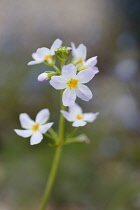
71	78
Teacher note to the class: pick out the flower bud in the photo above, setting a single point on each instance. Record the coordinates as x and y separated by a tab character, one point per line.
43	77
69	49
83	138
62	53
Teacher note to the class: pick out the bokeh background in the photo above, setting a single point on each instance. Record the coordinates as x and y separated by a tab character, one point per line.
104	175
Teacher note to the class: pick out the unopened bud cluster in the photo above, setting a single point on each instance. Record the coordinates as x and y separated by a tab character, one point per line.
62	53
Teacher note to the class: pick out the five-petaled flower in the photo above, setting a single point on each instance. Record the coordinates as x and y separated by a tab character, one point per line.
36	128
44	54
79	58
73	84
77	116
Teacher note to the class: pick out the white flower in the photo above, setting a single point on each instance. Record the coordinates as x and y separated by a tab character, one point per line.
79	58
73	84
44	54
76	116
79	53
43	77
34	128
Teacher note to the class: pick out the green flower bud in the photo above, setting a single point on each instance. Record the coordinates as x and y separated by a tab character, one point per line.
62	53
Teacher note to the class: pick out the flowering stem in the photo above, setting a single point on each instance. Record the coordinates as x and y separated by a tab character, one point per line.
61	125
55	162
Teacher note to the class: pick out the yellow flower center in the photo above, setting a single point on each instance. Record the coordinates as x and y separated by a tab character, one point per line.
79	117
35	127
72	83
82	68
48	58
80	61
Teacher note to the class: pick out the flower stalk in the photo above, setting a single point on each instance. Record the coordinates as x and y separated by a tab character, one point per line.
56	160
51	178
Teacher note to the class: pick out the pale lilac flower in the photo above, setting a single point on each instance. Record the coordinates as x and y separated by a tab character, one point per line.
76	115
73	84
79	58
36	128
79	53
44	54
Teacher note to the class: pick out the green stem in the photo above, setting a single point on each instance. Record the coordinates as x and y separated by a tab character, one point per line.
72	132
57	69
51	178
47	135
62	64
56	160
53	133
61	125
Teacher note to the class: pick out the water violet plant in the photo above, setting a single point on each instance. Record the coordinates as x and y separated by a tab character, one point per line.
70	77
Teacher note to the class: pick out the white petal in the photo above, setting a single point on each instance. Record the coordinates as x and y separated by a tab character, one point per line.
85	75
73	49
90	117
84	92
69	97
42	52
25	121
95	69
57	43
92	61
35	62
46	127
67	115
58	82
35	56
24	133
36	138
69	71
78	123
42	116
75	109
82	51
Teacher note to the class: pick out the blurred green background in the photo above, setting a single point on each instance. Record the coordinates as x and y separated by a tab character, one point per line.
104	175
